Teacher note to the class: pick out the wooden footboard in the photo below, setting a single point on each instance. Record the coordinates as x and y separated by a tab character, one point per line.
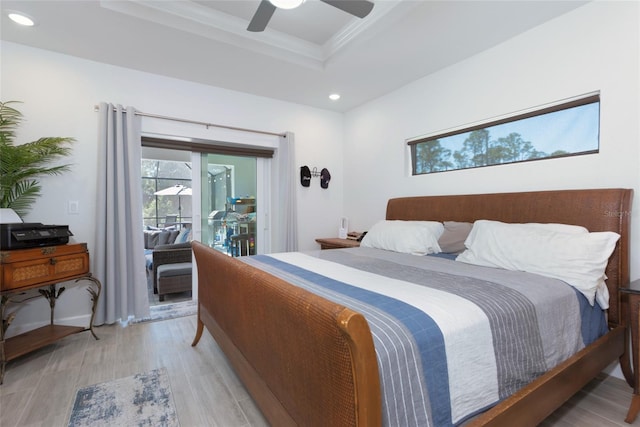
304	360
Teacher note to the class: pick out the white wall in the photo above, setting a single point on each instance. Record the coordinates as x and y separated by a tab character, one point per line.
596	47
58	95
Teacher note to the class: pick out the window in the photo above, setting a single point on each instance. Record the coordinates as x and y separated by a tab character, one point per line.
566	129
158	175
230	203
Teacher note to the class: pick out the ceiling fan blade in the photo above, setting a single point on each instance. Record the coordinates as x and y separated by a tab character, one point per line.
261	17
359	8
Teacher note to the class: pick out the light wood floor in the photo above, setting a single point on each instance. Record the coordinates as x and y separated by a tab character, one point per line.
39	388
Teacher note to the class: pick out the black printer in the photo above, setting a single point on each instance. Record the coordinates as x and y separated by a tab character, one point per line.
24	235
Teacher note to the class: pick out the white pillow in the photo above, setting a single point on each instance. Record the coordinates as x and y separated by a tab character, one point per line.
578	258
560	228
412	237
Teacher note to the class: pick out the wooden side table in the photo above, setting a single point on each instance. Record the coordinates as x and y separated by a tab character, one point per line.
41	269
336	243
633	316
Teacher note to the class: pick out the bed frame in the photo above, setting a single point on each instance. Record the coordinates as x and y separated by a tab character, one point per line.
308	361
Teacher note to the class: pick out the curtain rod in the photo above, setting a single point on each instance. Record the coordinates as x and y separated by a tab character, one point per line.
194	122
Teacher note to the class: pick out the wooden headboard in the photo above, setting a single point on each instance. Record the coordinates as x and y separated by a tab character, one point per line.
596	209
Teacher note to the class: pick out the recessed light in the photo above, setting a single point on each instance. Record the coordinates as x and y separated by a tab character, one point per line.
21	18
334	96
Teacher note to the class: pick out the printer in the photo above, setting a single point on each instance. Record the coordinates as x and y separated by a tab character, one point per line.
15	234
24	235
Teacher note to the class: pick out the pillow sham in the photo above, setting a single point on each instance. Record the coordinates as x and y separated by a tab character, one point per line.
452	239
412	237
576	257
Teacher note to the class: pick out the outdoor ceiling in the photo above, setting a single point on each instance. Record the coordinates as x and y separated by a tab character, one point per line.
304	54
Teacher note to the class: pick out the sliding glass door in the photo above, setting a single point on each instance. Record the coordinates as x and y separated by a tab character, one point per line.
166	191
230	203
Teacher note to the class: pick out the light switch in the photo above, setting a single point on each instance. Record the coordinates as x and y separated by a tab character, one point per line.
73	207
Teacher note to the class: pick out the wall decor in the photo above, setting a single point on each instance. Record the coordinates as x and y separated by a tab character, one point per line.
305	176
325	177
307	173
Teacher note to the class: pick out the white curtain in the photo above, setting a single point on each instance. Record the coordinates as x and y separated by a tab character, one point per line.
286	207
118	259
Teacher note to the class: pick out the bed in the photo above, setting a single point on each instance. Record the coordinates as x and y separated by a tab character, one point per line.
306	358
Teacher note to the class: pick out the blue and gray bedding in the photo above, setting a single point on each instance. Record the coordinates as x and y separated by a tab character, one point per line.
451	339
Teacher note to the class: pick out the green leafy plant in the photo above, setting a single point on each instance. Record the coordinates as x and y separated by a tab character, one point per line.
22	165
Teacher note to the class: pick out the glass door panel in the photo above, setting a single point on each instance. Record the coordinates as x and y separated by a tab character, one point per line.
229	203
159	176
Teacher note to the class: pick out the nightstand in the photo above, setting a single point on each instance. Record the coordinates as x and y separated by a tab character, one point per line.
633	292
336	243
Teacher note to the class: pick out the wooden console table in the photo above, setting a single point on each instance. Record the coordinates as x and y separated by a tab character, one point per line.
42	268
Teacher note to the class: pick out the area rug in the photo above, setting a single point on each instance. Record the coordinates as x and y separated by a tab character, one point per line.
139	400
169	311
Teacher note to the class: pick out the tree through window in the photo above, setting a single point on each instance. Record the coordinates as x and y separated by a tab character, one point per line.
567	129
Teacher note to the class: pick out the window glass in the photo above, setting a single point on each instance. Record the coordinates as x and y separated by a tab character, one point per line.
563	130
160	210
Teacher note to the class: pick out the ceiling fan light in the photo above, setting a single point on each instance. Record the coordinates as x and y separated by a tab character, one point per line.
286	4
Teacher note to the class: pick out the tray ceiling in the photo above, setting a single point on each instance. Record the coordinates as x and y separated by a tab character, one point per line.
302	56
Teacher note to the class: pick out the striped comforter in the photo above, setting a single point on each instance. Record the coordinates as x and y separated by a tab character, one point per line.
451	339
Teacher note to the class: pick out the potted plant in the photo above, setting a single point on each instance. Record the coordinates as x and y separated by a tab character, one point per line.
22	165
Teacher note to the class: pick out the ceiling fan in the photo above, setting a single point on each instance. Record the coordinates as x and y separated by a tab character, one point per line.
359	8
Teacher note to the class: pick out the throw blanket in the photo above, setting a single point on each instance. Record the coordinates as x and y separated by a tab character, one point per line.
451	339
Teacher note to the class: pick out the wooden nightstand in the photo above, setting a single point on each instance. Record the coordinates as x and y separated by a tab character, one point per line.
336	243
633	316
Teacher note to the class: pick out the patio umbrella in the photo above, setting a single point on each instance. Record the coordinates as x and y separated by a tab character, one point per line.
175	190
